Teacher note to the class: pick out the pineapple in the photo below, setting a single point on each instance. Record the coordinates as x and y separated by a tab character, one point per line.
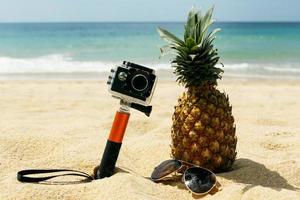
203	130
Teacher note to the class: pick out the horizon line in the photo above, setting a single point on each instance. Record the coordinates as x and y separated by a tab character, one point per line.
225	21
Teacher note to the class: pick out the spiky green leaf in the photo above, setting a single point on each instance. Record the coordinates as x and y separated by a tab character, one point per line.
196	58
169	37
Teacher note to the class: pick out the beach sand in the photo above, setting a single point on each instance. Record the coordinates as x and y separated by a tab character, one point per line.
65	124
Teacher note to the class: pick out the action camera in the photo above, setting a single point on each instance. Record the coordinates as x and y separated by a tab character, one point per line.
132	83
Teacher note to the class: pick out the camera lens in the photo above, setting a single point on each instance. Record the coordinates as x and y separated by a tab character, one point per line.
139	82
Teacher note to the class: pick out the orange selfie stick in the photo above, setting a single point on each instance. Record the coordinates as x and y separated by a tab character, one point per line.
113	145
119	126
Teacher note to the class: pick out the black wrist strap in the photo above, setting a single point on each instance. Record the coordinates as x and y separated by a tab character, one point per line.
22	175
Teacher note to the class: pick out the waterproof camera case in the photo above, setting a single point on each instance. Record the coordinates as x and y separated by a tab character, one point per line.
132	83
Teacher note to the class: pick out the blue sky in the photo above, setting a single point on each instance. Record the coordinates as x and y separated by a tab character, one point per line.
145	10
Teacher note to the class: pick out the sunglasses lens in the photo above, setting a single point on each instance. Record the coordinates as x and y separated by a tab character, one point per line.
199	180
165	168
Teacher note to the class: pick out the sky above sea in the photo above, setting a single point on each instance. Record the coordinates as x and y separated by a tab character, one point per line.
145	10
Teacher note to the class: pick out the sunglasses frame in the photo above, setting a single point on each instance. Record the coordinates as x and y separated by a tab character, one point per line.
188	166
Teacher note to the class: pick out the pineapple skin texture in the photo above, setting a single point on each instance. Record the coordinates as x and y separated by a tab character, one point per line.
203	130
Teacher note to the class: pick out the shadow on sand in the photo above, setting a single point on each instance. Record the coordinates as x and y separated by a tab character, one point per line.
255	174
247	172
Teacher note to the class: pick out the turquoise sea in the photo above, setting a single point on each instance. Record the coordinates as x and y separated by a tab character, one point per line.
245	48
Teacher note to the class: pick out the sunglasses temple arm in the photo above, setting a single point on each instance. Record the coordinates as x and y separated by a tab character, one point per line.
218	186
113	145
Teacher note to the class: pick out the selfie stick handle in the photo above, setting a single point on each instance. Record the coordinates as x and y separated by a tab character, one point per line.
113	145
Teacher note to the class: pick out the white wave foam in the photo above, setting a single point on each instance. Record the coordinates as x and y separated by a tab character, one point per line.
289	69
60	64
284	69
63	64
237	66
51	63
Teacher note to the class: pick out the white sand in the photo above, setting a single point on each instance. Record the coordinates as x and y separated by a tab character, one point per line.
64	124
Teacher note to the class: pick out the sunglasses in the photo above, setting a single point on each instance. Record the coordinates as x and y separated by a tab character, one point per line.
198	180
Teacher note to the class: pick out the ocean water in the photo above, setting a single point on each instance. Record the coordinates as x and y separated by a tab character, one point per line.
270	49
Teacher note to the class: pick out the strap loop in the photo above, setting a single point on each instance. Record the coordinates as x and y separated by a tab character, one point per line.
22	175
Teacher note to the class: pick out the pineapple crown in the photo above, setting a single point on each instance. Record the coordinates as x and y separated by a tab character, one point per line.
196	58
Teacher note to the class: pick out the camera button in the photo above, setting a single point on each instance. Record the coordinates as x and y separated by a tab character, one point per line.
122	76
